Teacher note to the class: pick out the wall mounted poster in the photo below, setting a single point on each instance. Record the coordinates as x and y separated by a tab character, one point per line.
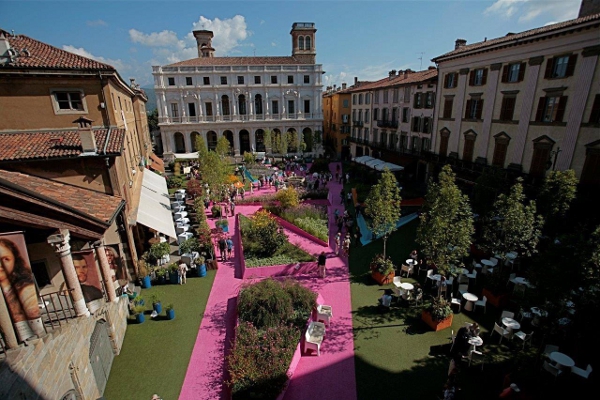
18	286
117	266
87	274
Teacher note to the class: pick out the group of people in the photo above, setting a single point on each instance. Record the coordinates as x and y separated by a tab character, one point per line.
342	246
225	247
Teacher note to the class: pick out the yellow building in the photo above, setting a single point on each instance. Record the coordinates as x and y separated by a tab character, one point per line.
336	119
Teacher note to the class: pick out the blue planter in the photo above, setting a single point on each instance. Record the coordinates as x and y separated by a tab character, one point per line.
170	314
162	280
226	228
202	270
174	278
157	307
146	283
140	318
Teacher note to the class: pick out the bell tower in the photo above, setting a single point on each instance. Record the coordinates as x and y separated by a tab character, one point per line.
303	42
204	42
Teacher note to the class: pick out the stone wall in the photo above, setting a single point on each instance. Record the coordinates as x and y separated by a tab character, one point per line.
49	367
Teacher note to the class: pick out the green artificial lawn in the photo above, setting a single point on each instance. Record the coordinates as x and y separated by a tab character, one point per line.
155	354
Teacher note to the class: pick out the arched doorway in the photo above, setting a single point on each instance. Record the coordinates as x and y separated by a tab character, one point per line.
195	136
293	140
244	141
211	140
179	143
308	139
259	136
229	136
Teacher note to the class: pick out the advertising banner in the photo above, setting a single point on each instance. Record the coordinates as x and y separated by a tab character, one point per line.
18	286
88	275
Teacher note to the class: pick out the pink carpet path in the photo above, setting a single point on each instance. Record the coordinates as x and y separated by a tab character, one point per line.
330	376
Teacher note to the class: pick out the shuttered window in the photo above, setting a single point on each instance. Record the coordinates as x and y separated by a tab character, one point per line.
444	145
539	161
478	77
595	114
590	175
474	109
551	108
560	66
448	102
469	147
508	108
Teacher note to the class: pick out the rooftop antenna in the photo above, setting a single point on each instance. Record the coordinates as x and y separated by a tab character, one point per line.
421	58
255	52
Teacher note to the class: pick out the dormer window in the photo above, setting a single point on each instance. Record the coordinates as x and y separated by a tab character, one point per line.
68	101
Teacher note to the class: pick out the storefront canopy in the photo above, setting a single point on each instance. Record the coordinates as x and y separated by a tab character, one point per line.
154	210
377	164
390	166
363	159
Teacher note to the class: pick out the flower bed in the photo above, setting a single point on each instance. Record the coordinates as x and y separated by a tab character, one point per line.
272	316
309	218
266	244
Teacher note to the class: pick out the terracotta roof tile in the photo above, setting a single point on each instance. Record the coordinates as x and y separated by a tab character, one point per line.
413	77
288	60
518	37
94	204
21	146
42	55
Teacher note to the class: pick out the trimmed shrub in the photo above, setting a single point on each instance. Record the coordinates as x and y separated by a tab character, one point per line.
288	198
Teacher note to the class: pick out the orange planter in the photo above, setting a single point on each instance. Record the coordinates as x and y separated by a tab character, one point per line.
498	301
383	279
437	325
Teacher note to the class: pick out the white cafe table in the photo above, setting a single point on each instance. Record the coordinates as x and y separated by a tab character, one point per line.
521	281
511	323
471	299
411	262
562	359
406	287
487	262
475	341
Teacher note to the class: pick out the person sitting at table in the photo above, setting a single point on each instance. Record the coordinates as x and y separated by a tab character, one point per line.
461	342
474	330
441	284
385	301
414	254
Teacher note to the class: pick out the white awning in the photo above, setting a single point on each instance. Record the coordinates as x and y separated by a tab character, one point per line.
363	159
372	163
154	210
390	166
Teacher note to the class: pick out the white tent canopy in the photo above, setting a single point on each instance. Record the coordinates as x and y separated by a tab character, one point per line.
363	159
154	210
372	163
390	166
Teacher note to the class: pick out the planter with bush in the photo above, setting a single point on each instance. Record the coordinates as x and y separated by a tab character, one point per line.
216	211
174	273
438	315
272	316
382	269
170	311
144	274
495	289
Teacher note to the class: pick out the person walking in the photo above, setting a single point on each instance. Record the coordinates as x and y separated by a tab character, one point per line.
183	269
338	243
232	208
321	263
229	243
222	248
346	245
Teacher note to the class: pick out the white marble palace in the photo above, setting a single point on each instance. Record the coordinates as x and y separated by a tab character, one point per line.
240	97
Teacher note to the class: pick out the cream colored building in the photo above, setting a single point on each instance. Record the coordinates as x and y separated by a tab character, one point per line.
240	97
528	102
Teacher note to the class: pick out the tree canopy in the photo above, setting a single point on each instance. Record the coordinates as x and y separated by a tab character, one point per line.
446	222
383	206
513	225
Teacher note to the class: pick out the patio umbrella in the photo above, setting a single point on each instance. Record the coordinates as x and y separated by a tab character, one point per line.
238	184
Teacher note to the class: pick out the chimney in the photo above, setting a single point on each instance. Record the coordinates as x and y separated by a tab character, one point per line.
407	73
431	67
459	43
88	141
204	43
356	80
589	7
334	86
344	86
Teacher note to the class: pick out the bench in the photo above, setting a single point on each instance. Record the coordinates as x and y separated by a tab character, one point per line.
315	333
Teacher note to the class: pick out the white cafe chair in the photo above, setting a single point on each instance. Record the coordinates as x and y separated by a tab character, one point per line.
582	373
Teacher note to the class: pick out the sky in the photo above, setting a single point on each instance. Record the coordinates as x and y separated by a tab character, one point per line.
363	39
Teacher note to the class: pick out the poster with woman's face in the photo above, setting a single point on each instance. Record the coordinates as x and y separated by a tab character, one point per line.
17	284
87	274
115	262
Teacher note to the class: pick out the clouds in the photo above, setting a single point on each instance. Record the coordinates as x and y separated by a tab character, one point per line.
168	48
526	10
117	64
96	23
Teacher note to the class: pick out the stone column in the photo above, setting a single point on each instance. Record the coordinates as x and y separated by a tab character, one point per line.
252	140
187	139
105	271
250	106
236	143
6	325
60	242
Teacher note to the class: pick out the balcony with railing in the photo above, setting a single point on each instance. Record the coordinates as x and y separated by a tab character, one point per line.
358	123
382	123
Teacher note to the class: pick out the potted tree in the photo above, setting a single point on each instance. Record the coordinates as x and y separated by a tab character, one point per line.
438	315
215	211
161	275
138	312
144	274
174	273
382	269
495	289
200	266
156	305
223	224
159	252
170	311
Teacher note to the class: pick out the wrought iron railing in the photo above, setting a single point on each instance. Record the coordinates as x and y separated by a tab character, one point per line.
56	309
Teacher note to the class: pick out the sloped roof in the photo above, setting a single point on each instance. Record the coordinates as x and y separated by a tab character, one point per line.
517	38
225	61
93	204
44	56
413	77
22	146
